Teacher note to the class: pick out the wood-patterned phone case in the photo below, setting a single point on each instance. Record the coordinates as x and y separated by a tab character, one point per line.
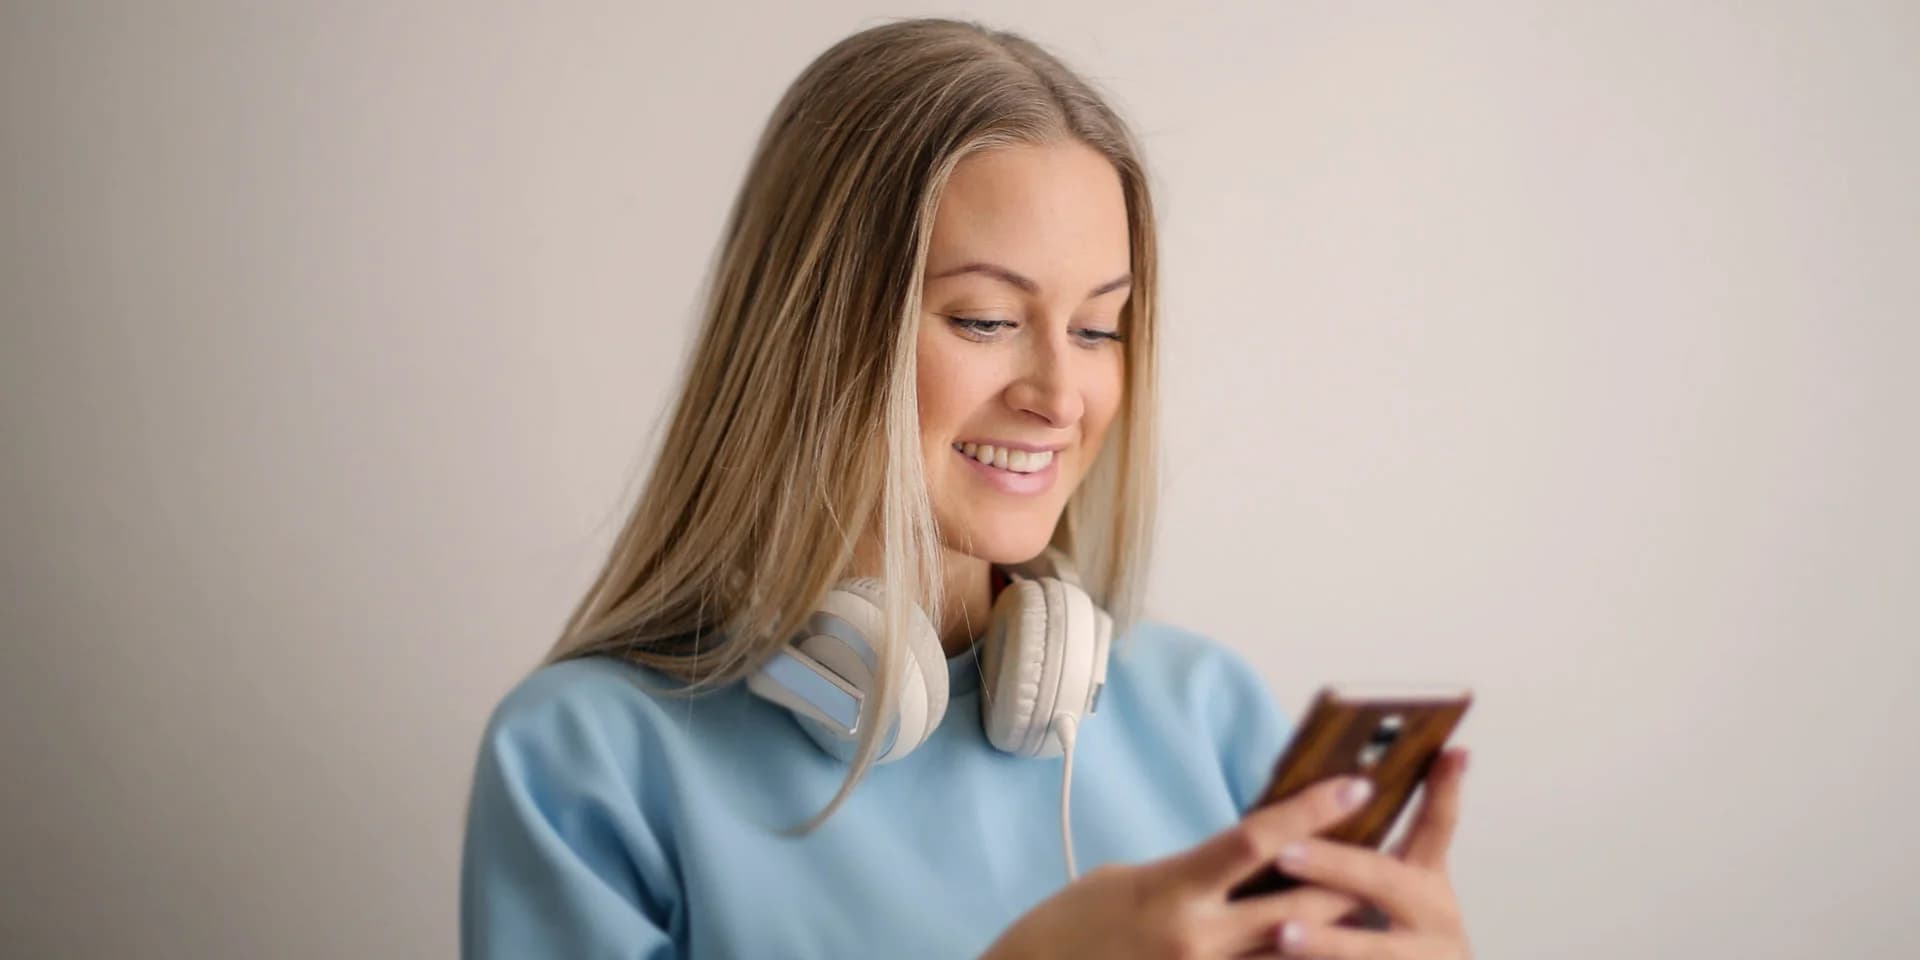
1333	742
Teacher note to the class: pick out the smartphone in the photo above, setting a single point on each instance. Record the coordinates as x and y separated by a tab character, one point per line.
1388	734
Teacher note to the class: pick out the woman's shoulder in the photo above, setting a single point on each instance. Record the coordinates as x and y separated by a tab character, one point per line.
590	683
1178	661
597	702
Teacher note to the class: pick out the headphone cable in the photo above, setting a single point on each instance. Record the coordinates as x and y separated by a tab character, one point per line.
1065	728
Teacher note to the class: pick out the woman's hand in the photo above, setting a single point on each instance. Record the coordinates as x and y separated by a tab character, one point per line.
1411	886
1179	906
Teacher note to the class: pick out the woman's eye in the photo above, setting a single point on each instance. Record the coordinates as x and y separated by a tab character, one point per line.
976	325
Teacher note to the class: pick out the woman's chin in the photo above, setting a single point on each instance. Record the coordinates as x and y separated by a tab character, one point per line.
1006	547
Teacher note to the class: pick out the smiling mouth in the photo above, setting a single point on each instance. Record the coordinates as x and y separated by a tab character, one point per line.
1012	461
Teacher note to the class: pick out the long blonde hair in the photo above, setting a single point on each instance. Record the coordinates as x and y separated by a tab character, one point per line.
797	426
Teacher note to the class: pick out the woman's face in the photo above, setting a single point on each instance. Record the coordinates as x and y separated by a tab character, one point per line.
1025	283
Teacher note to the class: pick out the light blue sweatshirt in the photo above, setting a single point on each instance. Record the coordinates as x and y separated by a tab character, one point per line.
608	821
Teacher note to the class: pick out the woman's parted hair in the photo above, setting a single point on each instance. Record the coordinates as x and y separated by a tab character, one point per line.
797	427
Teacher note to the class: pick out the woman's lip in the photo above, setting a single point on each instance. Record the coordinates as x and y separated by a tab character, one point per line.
1019	484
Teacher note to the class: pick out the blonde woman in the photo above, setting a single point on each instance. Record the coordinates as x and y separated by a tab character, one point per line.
876	608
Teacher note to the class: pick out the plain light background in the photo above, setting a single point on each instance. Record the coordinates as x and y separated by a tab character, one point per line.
1560	349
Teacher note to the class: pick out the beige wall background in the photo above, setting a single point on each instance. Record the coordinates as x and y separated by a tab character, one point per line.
1562	349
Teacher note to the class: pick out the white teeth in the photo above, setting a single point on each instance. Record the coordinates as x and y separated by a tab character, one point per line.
1013	461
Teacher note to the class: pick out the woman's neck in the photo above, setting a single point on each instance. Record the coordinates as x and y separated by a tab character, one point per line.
969	590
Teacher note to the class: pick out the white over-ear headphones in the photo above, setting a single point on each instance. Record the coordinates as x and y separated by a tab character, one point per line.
1043	660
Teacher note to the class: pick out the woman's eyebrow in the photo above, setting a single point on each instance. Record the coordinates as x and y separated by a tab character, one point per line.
1005	275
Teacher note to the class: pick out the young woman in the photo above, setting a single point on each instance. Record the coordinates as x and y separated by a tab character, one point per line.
888	566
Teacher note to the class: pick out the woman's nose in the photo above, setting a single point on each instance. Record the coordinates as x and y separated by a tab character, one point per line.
1047	387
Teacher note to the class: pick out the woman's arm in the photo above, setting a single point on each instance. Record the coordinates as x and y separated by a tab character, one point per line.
558	859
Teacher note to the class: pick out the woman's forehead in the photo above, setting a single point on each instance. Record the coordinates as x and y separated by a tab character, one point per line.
1054	216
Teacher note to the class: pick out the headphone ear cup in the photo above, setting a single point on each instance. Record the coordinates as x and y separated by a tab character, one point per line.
1083	626
1041	658
1012	660
923	699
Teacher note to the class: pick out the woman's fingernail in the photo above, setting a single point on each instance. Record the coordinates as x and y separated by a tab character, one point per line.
1292	855
1464	757
1355	792
1292	936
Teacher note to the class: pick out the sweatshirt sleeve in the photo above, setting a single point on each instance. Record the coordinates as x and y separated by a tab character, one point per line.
559	859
